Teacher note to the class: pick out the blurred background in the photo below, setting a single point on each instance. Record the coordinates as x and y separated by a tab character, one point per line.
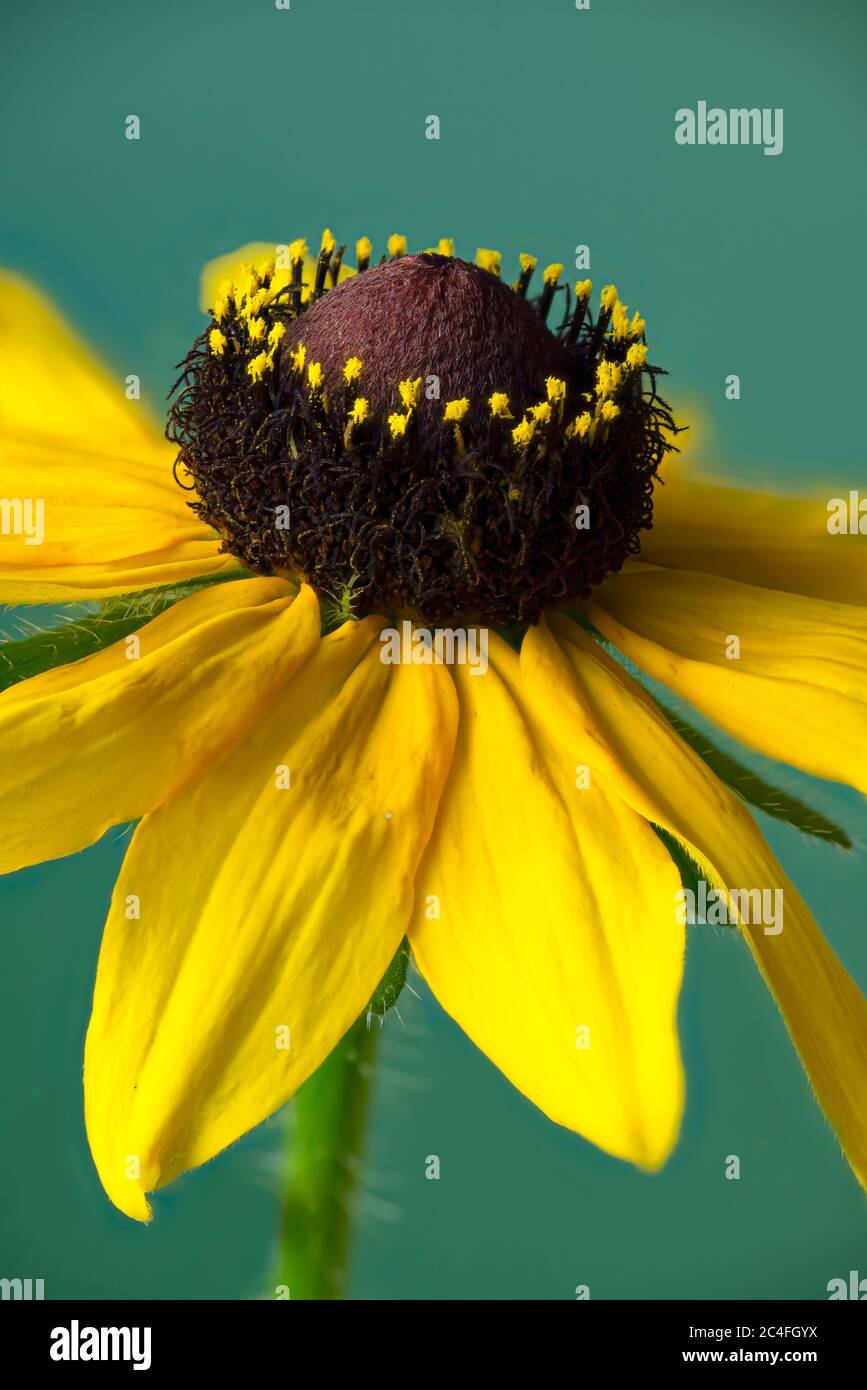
557	129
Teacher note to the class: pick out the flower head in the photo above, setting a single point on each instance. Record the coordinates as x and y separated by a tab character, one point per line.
429	320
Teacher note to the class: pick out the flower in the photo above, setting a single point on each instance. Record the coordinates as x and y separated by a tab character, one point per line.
303	804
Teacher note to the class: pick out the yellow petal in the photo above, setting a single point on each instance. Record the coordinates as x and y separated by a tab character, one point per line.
776	542
273	895
108	738
89	504
555	917
51	385
783	673
609	722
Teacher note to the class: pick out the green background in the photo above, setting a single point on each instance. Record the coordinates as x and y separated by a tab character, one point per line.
557	129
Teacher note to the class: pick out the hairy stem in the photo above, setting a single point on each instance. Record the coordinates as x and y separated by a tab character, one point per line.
323	1167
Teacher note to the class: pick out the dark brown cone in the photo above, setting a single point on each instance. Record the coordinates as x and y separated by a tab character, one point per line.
432	315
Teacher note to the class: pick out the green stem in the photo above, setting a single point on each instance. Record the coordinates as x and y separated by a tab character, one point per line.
323	1165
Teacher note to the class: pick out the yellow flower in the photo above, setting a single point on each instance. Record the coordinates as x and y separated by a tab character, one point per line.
217	341
499	405
580	426
456	410
522	434
619	321
259	366
608	378
410	391
276	333
303	805
352	370
556	390
636	356
489	260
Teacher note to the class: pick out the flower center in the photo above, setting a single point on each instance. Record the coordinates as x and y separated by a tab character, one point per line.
417	440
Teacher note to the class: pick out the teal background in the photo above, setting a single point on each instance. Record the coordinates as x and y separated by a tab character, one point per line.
557	129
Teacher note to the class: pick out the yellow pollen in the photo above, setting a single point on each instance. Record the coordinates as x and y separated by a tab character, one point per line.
583	289
360	411
637	326
488	260
556	389
328	243
608	378
254	304
352	370
256	329
446	246
315	376
610	411
258	367
541	413
551	274
637	355
522	434
297	251
247	284
217	342
619	321
410	392
608	297
276	334
298	358
499	404
396	245
397	424
456	410
363	248
579	427
528	262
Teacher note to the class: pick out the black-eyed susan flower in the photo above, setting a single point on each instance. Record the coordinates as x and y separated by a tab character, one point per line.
411	442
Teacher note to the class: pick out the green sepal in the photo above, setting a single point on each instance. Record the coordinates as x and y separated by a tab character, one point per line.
773	801
690	872
389	988
746	784
77	637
